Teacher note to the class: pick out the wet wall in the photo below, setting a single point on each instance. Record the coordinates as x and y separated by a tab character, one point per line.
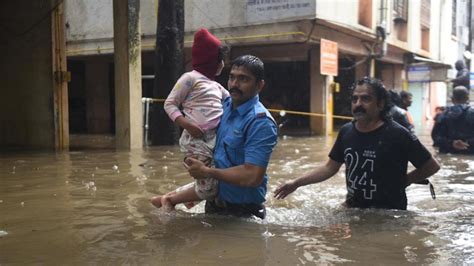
26	79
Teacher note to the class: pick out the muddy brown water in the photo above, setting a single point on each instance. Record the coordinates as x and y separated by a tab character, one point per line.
91	207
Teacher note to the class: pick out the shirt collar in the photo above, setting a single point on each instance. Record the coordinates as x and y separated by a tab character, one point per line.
245	107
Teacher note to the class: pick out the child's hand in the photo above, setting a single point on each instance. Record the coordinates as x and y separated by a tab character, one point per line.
194	130
196	168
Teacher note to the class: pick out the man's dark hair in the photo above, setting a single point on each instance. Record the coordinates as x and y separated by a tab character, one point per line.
380	93
222	52
395	97
460	94
405	94
252	63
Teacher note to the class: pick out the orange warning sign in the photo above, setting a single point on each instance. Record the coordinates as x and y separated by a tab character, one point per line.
328	58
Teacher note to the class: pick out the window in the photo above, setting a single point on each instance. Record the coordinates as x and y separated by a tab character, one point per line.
425	17
400	18
425	13
365	13
425	39
400	10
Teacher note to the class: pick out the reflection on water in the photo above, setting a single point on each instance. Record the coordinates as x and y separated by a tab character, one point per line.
91	207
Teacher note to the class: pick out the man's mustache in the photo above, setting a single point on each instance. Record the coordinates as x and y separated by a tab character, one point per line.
359	110
232	90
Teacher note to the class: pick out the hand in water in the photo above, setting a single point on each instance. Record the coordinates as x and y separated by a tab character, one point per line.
284	190
460	145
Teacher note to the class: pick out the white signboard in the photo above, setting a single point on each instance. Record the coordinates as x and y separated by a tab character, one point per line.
271	10
419	74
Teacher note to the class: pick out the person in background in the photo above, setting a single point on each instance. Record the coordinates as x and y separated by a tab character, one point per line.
462	75
376	152
406	99
245	140
405	102
438	111
398	114
201	98
453	131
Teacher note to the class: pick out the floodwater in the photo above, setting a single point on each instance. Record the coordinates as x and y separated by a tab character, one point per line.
91	207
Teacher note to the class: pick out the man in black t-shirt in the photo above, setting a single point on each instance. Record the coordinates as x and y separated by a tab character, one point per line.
376	152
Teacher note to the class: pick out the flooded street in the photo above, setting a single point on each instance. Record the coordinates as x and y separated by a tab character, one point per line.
91	207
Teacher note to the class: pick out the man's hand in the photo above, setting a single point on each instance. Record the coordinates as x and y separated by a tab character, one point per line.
460	145
196	168
285	189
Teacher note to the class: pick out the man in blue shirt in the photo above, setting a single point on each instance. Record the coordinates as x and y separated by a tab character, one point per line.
245	140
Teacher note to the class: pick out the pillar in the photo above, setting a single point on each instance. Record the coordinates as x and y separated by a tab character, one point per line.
61	78
128	89
321	100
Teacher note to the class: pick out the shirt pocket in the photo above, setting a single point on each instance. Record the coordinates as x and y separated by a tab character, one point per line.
234	149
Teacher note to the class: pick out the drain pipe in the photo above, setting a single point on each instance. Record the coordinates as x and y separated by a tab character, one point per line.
146	112
443	3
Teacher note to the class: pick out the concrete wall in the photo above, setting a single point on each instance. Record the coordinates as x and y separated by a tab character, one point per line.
230	13
88	19
92	19
26	79
90	27
340	11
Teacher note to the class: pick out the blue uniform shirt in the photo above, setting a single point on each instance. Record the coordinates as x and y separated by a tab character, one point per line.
246	134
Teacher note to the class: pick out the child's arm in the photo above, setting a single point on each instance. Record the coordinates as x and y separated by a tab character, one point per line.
174	100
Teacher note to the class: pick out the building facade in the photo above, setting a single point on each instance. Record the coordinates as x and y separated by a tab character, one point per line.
380	38
410	45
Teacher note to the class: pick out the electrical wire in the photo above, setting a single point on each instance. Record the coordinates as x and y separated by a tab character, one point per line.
355	64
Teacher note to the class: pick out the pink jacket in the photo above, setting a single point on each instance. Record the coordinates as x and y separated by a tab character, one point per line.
200	98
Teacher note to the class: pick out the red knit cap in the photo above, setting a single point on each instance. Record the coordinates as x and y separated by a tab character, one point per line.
204	53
